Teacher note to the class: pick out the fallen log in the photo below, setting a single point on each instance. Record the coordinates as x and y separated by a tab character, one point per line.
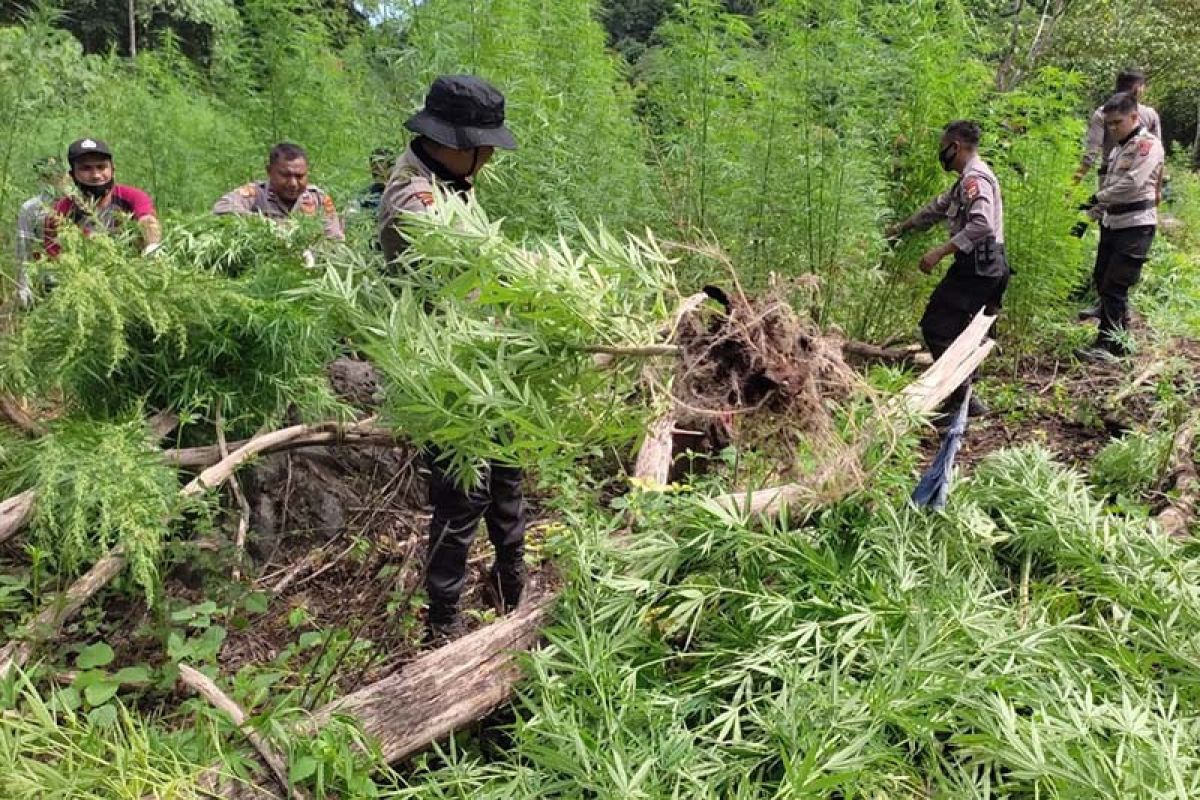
206	455
1176	517
54	614
15	513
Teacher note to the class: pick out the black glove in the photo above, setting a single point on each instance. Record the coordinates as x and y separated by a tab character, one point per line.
1079	229
1091	203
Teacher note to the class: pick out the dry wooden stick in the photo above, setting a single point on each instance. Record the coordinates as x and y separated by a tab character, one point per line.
203	686
1176	517
235	485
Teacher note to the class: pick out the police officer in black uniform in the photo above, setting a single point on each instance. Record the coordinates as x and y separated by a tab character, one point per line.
456	134
974	210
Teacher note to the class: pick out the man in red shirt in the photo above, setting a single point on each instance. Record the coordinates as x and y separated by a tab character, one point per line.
100	204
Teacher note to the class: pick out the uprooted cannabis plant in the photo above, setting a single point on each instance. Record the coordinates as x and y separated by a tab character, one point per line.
486	344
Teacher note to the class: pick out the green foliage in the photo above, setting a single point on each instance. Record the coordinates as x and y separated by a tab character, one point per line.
498	368
1132	465
1032	143
98	484
881	652
210	317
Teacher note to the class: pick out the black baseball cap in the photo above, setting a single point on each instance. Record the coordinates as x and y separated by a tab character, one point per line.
463	112
87	147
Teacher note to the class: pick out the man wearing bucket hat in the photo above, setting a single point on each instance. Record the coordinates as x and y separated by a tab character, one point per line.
458	130
100	204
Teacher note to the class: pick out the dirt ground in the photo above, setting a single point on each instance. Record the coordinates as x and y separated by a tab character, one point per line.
1073	409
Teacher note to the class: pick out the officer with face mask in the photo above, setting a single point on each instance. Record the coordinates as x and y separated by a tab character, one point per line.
974	211
99	204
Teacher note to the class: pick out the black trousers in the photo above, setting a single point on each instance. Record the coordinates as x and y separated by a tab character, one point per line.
1118	268
957	299
456	514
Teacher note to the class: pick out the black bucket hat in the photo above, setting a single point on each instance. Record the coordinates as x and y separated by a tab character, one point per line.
463	112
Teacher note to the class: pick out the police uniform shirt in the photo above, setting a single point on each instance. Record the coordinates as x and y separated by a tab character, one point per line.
258	198
1130	188
409	190
973	207
1099	144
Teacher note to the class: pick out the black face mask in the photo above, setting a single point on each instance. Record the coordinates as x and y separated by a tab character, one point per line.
93	192
947	154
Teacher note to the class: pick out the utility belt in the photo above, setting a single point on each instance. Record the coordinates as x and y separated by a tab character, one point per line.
1128	208
987	259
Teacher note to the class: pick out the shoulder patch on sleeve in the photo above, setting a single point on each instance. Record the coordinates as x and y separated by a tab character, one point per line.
248	190
424	197
327	203
971	187
1144	147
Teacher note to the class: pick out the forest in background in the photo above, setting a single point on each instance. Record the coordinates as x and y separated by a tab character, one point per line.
1036	638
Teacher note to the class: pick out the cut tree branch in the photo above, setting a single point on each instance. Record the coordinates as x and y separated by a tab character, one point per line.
50	619
206	688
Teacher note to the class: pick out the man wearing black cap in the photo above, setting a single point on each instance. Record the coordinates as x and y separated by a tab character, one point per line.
459	129
101	204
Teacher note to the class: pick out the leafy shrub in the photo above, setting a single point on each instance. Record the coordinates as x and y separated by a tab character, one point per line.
1132	465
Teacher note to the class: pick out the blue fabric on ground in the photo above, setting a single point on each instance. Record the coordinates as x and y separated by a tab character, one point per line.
934	486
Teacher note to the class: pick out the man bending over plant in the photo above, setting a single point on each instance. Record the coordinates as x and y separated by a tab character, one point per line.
974	209
458	131
100	204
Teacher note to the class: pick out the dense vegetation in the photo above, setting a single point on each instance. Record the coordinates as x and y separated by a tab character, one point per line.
1037	638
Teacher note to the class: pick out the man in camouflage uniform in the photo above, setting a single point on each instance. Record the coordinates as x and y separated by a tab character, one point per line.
1128	206
458	131
285	192
974	209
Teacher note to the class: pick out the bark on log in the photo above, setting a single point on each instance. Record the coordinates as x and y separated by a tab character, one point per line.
1175	519
206	688
15	513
